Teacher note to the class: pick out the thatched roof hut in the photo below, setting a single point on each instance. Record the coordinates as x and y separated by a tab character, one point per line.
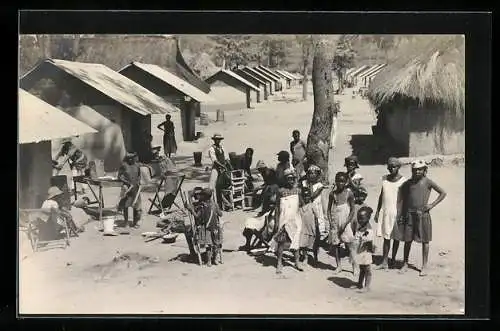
420	97
431	69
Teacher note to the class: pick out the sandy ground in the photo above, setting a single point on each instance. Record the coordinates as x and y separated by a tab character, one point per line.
159	279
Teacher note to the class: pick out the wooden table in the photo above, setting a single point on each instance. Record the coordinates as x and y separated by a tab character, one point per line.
100	183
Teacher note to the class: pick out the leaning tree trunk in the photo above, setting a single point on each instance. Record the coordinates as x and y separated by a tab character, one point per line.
320	133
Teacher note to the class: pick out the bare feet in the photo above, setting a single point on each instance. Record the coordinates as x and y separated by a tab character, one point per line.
383	266
404	268
423	272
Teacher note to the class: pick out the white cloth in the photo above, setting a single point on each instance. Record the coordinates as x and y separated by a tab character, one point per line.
256	223
290	219
212	183
363	256
388	210
213	156
318	208
317	205
49	204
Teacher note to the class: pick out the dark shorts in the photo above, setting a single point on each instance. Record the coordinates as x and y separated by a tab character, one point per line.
414	226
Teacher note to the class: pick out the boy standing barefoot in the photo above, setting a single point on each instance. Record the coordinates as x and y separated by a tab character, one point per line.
414	221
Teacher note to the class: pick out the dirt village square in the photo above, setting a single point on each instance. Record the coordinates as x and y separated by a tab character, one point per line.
127	274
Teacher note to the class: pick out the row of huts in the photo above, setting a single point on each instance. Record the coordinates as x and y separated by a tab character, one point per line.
109	112
360	77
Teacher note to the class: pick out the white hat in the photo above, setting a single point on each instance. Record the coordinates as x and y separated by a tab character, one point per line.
417	164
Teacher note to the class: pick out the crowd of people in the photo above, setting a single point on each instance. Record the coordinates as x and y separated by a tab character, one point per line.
293	217
292	212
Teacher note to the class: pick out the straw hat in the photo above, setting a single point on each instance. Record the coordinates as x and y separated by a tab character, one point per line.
313	168
217	136
418	164
53	192
260	164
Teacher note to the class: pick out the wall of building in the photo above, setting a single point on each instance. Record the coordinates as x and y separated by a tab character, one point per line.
227	97
435	130
109	143
425	131
34	173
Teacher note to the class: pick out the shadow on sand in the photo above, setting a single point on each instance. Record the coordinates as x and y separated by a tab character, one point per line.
342	282
371	151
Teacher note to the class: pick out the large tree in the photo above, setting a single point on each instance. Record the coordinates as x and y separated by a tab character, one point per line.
319	140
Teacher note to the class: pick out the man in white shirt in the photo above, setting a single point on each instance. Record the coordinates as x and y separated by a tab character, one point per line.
218	158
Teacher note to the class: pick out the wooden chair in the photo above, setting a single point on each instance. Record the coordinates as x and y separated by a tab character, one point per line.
235	194
36	222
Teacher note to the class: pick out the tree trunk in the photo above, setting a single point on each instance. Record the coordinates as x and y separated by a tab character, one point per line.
319	142
76	47
304	81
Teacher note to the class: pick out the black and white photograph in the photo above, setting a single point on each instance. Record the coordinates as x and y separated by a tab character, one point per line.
241	174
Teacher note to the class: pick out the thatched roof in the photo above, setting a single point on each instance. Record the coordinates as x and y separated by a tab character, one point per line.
429	70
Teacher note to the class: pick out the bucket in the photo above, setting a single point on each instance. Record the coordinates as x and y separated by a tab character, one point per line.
203	119
220	115
197	159
249	200
108	224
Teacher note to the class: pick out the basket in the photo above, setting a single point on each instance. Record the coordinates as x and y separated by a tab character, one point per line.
170	238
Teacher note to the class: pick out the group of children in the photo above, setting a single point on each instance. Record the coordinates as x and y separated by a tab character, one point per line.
301	225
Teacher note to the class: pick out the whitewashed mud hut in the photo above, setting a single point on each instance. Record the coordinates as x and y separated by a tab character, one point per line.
39	124
420	98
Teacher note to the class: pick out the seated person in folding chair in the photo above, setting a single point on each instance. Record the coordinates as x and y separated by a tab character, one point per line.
130	195
52	228
255	226
265	173
219	176
76	159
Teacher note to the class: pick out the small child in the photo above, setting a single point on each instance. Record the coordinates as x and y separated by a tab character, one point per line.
354	179
362	246
341	199
309	236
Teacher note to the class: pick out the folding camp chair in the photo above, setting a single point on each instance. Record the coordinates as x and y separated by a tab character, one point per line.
42	228
166	192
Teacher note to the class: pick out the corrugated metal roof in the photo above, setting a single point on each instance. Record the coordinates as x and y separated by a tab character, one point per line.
40	121
244	74
296	75
174	81
369	71
357	71
239	78
265	73
376	71
286	74
282	75
269	71
116	86
258	74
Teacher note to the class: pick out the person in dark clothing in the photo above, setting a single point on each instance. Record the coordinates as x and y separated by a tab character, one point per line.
245	164
130	175
169	143
283	164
